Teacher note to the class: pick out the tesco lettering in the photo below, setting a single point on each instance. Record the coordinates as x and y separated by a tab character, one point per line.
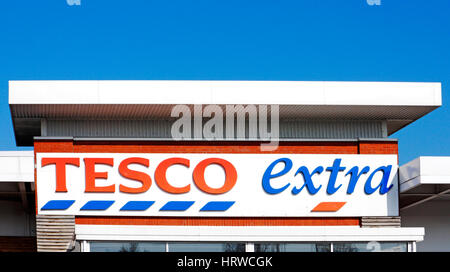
160	174
231	176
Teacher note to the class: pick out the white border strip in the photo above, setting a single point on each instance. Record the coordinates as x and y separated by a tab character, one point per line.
246	233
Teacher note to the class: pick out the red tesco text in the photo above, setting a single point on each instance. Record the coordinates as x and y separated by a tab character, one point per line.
143	178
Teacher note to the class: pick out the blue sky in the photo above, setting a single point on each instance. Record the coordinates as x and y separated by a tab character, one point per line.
311	40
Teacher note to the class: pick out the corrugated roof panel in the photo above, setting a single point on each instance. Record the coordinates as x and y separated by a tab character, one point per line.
289	129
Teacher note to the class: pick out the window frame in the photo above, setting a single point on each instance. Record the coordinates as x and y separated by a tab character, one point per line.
246	234
250	246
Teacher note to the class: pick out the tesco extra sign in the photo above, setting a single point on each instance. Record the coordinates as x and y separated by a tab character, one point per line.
270	185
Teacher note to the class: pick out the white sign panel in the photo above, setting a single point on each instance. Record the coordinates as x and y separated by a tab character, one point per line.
239	185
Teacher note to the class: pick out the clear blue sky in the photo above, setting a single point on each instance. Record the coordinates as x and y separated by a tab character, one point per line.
312	40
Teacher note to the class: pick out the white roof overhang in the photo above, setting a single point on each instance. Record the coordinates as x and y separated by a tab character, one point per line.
424	179
398	103
17	166
17	177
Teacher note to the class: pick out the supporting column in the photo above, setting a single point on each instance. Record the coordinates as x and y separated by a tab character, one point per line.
380	221
55	233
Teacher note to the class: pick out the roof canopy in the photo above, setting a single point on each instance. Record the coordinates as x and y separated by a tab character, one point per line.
396	102
424	179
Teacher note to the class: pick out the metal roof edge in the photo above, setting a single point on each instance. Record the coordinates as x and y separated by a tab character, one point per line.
70	138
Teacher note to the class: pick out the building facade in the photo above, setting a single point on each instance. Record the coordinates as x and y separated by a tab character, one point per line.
220	166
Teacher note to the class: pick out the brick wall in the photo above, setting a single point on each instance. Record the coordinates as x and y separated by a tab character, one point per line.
350	147
17	244
376	147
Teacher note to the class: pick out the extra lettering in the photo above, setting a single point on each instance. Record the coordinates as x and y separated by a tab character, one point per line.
268	182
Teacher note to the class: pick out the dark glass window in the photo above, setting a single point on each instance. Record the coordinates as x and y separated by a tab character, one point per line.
292	247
